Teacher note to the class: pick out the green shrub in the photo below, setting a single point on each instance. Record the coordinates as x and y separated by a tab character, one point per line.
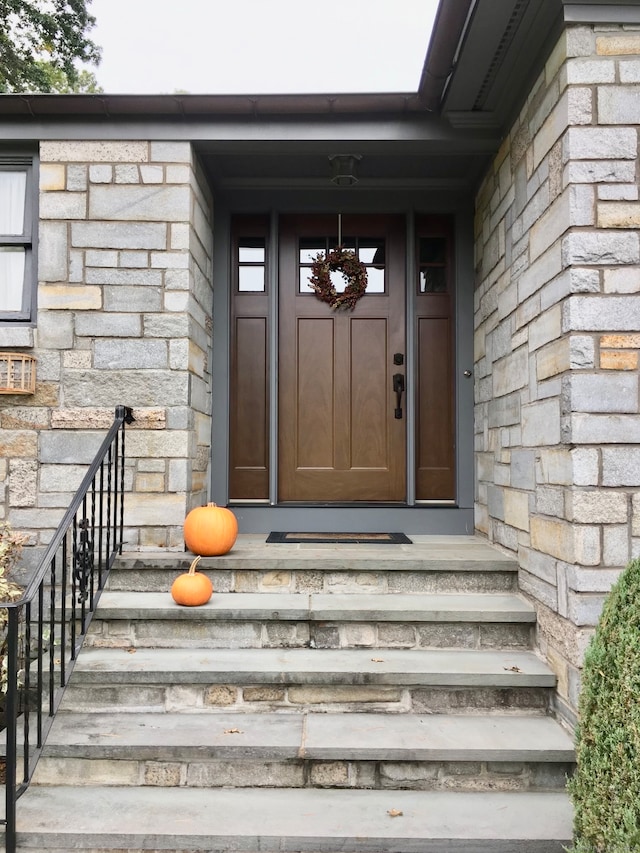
606	787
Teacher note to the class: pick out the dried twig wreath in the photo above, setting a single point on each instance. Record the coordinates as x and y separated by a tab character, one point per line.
353	271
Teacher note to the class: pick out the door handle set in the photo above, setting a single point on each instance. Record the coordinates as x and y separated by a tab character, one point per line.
398	388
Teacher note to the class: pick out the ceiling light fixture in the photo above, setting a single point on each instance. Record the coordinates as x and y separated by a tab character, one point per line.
343	169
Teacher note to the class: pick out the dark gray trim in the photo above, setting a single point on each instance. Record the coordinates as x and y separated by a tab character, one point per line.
600	12
29	163
219	483
445	521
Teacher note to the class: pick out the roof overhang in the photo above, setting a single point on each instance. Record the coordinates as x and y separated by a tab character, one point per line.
482	60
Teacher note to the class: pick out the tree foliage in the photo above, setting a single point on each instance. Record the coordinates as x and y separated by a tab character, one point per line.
40	37
606	788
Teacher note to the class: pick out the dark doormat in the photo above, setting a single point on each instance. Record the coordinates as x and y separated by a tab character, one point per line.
341	538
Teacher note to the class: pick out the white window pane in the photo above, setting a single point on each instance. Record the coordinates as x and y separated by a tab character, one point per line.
305	275
251	279
375	280
11	278
250	254
13	189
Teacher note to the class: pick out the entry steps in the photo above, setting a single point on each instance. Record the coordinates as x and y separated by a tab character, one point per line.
380	699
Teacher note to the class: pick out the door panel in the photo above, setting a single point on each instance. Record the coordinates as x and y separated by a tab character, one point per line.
338	437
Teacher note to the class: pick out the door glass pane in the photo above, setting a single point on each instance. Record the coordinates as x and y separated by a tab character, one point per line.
13	188
252	255
433	264
251	279
370	251
12	261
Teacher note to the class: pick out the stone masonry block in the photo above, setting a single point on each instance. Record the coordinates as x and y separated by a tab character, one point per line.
157	444
63	205
618	192
522	469
516	509
629	71
147	387
600	247
622	280
598	171
105	325
581	352
541	423
146	202
511	372
142	510
52	251
132	298
616	44
618	214
618	360
586	463
62	297
171	152
601	143
615	545
130	354
116	235
546	327
621	466
604	393
619	105
23	482
590	71
59	447
55	331
52	177
94	152
598	507
554	538
597	313
100	174
605	429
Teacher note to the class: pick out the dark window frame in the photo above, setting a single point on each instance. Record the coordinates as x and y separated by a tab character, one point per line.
27	163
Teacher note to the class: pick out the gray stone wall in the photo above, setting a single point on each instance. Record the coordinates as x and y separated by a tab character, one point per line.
557	339
124	317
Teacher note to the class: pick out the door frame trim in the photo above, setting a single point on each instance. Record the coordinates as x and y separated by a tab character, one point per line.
432	518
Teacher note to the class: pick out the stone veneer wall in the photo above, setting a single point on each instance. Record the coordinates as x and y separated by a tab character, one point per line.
557	339
124	317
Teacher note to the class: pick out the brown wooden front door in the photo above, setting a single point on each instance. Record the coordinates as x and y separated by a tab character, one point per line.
336	434
340	436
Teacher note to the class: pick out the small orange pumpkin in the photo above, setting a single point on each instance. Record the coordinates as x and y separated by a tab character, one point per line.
192	588
210	530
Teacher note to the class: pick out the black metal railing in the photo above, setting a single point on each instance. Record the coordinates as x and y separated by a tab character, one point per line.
47	625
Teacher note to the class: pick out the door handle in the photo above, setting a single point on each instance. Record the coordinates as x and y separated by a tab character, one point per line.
398	387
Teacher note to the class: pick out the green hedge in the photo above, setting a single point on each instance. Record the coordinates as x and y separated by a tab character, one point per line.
606	788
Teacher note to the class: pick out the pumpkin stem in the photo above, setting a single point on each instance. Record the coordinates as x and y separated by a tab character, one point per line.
192	567
212	504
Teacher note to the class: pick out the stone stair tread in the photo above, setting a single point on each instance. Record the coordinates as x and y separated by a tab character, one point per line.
314	666
303	820
426	553
403	737
410	607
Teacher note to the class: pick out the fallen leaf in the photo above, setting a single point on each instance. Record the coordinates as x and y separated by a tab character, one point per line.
233	732
131	651
512	669
378	660
394	812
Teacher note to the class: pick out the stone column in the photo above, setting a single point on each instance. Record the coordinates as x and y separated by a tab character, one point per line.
557	338
124	316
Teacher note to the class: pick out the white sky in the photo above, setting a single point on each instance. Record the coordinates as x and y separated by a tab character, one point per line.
261	46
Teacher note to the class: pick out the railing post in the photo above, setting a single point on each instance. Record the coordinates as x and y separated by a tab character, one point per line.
11	711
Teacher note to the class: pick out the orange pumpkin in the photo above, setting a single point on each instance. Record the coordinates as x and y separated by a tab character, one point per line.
210	530
192	588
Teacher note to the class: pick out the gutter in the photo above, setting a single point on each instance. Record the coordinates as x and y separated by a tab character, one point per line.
449	29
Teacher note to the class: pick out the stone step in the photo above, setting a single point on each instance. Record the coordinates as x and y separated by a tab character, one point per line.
431	564
314	750
304	820
251	679
283	620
